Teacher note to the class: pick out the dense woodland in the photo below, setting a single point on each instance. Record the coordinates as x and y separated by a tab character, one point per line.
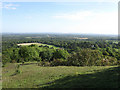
97	50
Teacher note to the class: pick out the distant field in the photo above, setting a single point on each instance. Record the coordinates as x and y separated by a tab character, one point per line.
33	76
80	38
24	44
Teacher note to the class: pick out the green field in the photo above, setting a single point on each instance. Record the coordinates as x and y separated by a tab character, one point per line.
39	44
34	76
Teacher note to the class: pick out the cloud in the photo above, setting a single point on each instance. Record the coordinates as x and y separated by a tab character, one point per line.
10	6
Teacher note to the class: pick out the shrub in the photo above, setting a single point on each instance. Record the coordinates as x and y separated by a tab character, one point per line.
59	62
85	57
118	62
23	62
13	61
108	61
17	71
44	63
60	54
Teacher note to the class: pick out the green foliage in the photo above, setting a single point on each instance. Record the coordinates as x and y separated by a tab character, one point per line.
105	53
59	62
60	47
108	61
85	57
44	63
23	62
38	59
26	51
17	71
18	66
118	62
60	54
5	59
46	55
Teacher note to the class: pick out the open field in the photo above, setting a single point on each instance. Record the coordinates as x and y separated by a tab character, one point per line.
33	76
24	44
39	44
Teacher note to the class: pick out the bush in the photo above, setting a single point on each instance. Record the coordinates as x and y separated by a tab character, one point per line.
13	61
108	61
59	62
85	57
23	62
118	62
17	71
44	63
60	54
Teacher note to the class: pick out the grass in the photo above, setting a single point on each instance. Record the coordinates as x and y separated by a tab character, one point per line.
33	76
0	76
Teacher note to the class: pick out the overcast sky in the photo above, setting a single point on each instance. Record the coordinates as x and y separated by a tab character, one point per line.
60	17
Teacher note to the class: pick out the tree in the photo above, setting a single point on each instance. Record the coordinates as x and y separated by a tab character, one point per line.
58	54
5	59
105	52
46	55
28	53
85	57
109	50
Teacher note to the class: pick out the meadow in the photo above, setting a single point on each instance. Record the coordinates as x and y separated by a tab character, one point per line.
34	76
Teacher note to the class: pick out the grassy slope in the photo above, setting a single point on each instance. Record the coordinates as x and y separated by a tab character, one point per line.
0	75
34	76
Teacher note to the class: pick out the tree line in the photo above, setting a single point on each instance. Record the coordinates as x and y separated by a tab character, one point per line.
76	52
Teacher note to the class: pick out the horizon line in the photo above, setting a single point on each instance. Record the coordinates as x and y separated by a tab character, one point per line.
54	33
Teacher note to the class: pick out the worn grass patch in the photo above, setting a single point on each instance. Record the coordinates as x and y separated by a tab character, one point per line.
33	76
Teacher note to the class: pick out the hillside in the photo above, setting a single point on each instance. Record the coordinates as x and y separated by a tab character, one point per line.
34	76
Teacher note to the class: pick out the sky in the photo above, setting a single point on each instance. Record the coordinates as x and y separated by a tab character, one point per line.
60	17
